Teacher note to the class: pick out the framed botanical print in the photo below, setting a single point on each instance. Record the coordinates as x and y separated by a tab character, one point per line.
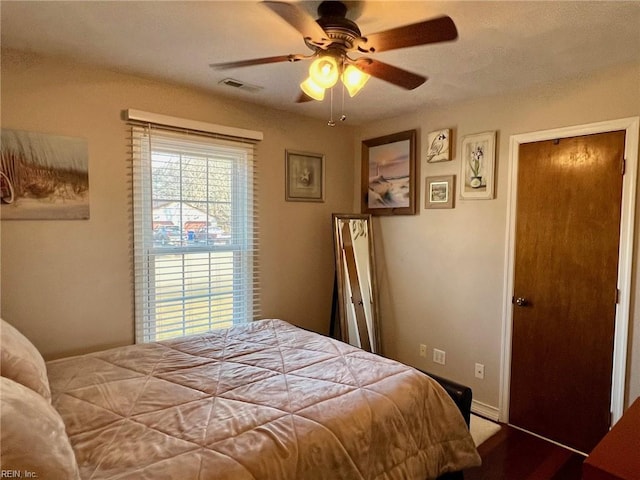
478	165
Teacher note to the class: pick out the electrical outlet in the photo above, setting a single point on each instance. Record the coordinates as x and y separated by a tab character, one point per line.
479	371
439	356
423	350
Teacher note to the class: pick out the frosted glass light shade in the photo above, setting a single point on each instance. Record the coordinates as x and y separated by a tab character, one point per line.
312	89
324	71
354	79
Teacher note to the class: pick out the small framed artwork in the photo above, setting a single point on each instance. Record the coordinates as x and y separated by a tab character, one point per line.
43	176
438	149
478	166
304	176
440	191
388	183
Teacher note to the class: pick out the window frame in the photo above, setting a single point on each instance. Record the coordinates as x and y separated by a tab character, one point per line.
242	243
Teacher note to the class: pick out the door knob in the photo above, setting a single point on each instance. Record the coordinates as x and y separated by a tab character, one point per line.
521	302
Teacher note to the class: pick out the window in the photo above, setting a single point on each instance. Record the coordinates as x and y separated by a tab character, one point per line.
195	258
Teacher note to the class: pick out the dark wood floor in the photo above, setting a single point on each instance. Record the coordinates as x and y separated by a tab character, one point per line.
515	455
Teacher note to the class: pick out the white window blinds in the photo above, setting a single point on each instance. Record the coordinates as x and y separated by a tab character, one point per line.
195	238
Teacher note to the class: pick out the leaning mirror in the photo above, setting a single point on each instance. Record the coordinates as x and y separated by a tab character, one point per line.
356	281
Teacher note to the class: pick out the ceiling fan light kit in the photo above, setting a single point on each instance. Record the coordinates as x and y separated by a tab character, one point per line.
332	37
354	79
312	89
324	73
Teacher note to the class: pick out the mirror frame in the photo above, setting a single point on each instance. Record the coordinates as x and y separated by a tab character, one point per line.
345	308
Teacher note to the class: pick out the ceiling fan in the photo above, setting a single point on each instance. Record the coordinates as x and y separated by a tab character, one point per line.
333	39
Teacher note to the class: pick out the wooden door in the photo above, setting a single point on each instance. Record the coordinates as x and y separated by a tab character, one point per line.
565	287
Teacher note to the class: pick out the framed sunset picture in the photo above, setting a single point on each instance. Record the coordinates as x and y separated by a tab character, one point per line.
388	182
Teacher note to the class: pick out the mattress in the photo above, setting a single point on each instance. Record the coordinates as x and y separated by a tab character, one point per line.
263	400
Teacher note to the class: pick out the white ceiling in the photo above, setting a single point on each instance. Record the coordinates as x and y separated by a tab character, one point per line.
502	46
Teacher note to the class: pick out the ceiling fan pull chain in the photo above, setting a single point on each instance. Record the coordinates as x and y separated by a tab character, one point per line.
343	117
331	122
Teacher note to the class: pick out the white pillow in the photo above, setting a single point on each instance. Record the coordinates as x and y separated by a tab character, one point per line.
21	361
33	436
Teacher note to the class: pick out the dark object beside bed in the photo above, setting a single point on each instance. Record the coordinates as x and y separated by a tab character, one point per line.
461	396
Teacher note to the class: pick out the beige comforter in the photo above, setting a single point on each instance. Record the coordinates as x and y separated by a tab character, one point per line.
265	400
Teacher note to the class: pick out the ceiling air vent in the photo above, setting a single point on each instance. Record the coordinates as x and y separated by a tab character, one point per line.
231	82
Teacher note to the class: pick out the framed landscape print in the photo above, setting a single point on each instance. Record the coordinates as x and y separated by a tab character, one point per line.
43	176
440	192
304	177
388	184
477	166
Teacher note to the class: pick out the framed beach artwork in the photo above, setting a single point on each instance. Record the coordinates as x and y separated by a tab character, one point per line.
43	176
304	176
440	191
478	165
388	182
438	146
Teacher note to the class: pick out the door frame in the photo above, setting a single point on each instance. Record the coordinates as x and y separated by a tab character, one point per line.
631	125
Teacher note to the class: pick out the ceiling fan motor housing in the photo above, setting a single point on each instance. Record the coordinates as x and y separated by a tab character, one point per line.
344	33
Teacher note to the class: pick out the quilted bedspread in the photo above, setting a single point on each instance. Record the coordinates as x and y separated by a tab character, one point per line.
265	400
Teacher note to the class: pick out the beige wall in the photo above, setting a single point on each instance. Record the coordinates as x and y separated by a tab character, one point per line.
442	271
68	285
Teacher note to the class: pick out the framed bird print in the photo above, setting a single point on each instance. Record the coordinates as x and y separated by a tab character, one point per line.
438	146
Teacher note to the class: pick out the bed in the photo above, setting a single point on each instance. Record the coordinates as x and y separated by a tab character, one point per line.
263	400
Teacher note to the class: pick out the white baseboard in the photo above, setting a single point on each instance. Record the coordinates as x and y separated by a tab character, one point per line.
484	410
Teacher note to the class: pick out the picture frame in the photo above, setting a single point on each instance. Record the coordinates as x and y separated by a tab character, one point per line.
43	176
440	192
304	176
388	181
439	146
477	166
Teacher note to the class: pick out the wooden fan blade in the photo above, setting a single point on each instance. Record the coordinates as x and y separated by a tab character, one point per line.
389	73
301	21
441	29
257	61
